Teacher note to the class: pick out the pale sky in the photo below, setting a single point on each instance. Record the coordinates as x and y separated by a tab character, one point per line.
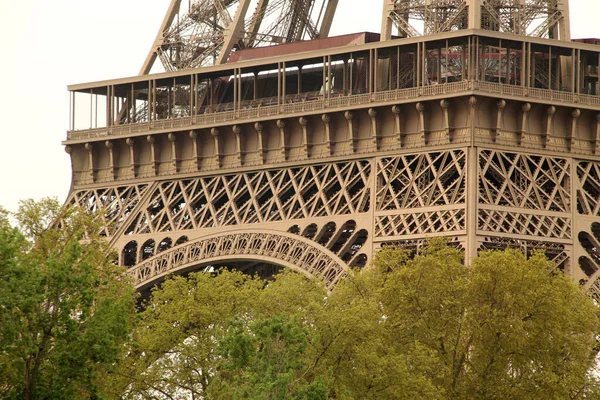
49	44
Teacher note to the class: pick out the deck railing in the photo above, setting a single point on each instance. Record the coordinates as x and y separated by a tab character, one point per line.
300	104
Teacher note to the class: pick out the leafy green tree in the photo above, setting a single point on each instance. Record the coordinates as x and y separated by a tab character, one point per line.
265	361
176	352
422	327
65	308
506	327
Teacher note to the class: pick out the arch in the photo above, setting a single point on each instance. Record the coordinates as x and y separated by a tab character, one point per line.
274	247
129	254
164	244
310	231
148	249
181	240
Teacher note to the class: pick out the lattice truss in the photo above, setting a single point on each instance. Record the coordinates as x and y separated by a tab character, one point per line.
239	199
426	17
200	30
533	193
414	246
588	204
537	18
555	252
588	190
427	190
115	204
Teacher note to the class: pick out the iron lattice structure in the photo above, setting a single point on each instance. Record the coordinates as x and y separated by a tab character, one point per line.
536	18
316	160
197	33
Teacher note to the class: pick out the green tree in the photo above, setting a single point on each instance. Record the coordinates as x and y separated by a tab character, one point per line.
265	360
65	308
422	327
506	327
175	351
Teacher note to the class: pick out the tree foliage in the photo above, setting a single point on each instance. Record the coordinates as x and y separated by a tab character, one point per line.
423	327
65	308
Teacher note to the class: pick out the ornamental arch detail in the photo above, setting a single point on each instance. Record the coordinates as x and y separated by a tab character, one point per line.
283	249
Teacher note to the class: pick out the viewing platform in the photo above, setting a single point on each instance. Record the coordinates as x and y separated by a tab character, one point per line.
372	73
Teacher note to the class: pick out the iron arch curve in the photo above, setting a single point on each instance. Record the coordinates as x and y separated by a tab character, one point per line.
280	248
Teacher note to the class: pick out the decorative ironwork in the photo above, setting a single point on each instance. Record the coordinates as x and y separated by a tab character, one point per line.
116	203
204	32
537	18
275	247
588	188
524	181
556	252
524	224
423	223
317	151
421	180
255	197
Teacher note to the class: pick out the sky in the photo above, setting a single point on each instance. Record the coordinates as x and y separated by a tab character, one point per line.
49	44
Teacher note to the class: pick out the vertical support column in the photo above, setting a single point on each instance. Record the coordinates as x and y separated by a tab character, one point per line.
525	108
300	79
386	20
575	114
91	168
445	104
196	149
282	139
153	153
133	165
174	158
472	189
397	111
501	105
283	84
72	111
237	131
215	134
549	125
261	146
352	130
375	131
111	158
597	141
326	125
305	139
475	14
422	131
108	107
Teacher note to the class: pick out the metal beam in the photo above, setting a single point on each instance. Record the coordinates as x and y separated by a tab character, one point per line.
328	18
167	21
234	32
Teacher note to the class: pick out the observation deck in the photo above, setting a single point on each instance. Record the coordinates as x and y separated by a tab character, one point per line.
365	75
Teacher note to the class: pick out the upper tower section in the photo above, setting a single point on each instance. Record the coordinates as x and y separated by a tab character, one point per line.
535	18
196	33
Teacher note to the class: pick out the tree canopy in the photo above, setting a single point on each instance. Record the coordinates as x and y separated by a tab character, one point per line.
425	327
408	327
65	308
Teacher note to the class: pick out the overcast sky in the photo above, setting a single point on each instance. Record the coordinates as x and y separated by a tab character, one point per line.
49	44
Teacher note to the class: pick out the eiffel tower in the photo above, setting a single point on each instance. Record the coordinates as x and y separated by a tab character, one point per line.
266	144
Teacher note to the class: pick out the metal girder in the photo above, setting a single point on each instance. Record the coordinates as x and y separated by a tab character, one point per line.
204	32
538	18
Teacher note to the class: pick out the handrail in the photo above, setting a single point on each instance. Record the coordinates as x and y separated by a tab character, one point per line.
299	104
